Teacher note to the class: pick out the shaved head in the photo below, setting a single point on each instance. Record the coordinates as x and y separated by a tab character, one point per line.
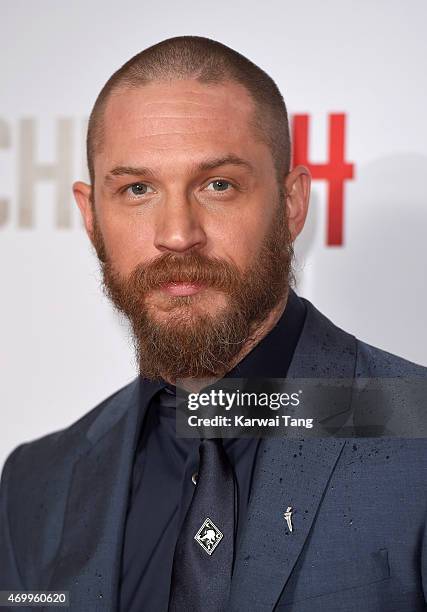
209	62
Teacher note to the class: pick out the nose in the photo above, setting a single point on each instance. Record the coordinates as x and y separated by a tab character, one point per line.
179	227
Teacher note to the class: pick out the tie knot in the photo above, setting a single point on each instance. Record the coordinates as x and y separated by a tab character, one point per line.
216	444
213	457
212	441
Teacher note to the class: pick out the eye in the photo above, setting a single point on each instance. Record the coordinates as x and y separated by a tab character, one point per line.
138	189
220	185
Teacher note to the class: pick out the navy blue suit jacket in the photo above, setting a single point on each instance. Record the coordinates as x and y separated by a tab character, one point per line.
359	542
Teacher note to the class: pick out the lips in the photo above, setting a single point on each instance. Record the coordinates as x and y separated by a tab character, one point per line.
182	288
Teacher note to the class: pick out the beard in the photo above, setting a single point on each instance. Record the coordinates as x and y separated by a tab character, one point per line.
190	342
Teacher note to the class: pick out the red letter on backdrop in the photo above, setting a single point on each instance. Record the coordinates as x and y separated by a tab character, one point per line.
335	171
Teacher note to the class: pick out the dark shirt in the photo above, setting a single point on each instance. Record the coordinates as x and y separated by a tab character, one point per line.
162	487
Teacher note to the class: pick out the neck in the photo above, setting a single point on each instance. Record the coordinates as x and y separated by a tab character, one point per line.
257	334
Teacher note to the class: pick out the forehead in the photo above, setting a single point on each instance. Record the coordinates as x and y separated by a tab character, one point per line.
178	117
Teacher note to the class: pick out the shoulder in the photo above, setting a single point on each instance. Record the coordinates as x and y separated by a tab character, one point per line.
374	361
56	452
369	360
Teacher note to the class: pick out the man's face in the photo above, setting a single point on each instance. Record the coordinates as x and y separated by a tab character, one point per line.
191	222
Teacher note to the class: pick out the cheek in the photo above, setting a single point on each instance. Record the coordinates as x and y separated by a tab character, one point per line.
127	242
242	238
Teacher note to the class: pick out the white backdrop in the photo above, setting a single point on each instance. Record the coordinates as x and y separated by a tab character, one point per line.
62	347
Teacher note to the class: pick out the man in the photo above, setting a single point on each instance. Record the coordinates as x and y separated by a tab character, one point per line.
193	210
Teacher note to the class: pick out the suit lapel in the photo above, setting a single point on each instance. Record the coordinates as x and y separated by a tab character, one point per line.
290	472
88	560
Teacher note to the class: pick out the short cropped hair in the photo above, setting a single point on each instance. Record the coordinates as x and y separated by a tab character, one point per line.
207	61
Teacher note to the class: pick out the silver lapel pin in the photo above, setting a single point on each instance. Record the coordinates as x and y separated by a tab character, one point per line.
288	517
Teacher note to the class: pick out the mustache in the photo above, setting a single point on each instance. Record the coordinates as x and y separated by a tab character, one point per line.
190	267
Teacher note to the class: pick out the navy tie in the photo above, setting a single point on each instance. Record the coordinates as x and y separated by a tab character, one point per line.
204	553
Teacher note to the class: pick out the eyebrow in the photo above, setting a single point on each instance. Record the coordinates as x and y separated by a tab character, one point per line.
207	164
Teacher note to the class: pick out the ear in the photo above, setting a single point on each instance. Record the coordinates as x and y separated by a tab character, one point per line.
83	196
297	185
